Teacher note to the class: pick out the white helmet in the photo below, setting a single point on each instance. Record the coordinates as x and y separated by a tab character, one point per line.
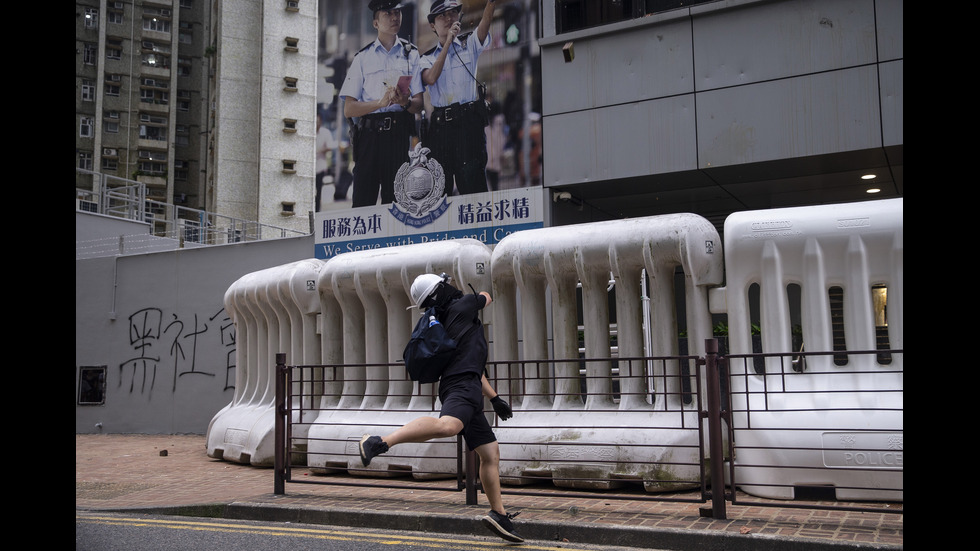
424	286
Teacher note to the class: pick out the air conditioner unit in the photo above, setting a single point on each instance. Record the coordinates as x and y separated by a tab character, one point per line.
293	4
109	152
117	5
147	45
165	12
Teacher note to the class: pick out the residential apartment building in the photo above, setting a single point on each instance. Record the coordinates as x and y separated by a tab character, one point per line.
208	104
141	89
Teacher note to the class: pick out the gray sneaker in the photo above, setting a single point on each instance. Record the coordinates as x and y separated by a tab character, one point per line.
501	525
371	446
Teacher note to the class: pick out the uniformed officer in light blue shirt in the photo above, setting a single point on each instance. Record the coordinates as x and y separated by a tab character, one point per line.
455	135
380	103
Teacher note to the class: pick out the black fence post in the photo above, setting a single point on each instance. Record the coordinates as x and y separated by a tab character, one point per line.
472	466
280	437
715	446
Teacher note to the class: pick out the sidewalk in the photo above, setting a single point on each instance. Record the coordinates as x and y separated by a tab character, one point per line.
172	474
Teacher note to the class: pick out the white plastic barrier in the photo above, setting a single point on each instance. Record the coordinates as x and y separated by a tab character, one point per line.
274	310
552	424
826	425
364	297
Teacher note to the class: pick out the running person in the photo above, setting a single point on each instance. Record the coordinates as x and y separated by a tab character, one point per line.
461	390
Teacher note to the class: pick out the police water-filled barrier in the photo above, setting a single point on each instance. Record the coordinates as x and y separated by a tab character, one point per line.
584	344
368	319
580	431
273	310
825	420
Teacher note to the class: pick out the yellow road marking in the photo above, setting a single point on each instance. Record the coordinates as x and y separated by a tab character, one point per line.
318	533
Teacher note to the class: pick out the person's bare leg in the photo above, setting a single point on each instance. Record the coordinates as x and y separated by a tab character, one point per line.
490	475
423	429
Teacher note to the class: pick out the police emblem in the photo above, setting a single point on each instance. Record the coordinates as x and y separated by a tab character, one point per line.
420	183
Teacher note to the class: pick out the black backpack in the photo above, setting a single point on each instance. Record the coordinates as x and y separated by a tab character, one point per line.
429	350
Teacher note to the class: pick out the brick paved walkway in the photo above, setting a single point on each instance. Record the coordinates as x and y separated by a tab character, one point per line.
115	472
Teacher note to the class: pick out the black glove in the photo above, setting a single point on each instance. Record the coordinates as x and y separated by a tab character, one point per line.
501	407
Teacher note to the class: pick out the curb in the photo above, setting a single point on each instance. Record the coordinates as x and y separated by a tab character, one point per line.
582	533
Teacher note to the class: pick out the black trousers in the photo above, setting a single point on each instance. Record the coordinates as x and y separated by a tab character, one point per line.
460	146
381	144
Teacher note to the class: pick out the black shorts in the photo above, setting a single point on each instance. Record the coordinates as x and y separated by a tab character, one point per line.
462	398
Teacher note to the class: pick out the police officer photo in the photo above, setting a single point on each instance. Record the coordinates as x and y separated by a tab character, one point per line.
456	136
380	110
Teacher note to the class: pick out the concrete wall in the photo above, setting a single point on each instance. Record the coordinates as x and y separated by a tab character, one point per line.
157	322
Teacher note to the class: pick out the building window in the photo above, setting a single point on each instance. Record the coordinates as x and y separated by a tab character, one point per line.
110	127
110	164
152	169
111	90
186	4
90	53
153	128
153	119
181	170
85	160
91	18
88	90
91	385
153	155
113	48
154	59
183	67
156	24
153	163
156	133
85	127
157	97
183	100
114	17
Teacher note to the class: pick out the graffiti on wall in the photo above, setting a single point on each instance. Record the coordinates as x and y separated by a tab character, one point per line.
169	346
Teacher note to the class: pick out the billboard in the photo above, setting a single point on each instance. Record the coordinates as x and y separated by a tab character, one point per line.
425	202
488	217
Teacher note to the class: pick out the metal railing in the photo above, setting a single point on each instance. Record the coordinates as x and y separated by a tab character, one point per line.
299	391
123	198
851	420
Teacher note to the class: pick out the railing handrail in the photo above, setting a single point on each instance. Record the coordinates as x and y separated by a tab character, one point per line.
127	199
714	410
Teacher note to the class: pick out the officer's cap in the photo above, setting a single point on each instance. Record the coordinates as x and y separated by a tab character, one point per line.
440	6
377	5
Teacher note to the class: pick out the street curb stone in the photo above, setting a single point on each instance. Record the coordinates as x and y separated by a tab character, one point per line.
581	533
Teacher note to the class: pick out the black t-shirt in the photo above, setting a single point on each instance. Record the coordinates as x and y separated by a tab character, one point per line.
462	320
